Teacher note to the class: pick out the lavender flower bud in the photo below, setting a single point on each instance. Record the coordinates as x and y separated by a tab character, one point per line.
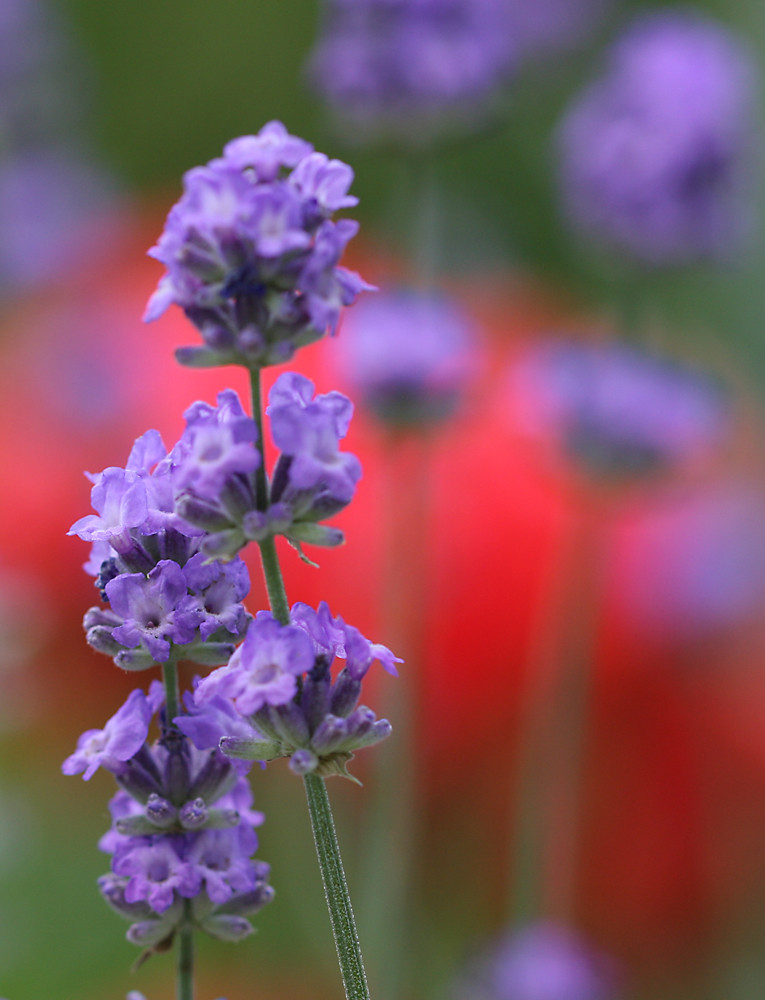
226	927
201	513
100	638
315	697
303	761
381	730
290	723
160	812
248	903
316	534
209	654
214	779
331	733
136	781
345	694
244	749
149	933
223	544
193	815
176	776
134	659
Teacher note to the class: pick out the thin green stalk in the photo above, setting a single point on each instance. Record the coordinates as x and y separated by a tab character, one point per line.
336	890
172	696
553	741
277	595
322	823
185	984
261	480
391	835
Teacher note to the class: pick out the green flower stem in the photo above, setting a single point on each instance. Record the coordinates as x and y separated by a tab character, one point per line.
392	833
322	823
336	890
261	480
277	595
185	984
172	696
554	739
185	968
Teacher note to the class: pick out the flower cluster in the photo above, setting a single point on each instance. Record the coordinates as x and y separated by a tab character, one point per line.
252	252
183	828
169	525
411	66
653	155
279	681
252	257
616	409
409	355
165	598
312	481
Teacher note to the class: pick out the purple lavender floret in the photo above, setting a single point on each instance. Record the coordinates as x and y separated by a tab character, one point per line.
618	410
136	523
155	871
251	253
221	859
412	68
654	155
333	637
216	445
263	670
315	721
220	589
409	355
542	961
155	609
120	501
120	739
308	430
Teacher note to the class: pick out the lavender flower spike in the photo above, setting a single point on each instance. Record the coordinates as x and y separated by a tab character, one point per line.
120	739
252	254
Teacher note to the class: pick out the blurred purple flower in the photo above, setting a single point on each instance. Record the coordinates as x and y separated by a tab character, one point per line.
616	409
654	155
49	206
409	65
542	961
694	564
543	27
408	355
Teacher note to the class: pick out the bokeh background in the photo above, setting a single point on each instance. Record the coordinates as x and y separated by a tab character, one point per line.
478	548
